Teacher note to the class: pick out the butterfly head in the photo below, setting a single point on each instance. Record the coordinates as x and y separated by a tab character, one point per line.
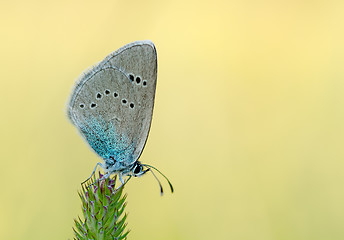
137	169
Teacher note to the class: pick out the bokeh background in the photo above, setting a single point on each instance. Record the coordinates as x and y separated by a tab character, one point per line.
248	119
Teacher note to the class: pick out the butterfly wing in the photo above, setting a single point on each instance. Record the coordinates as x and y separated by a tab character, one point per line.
112	104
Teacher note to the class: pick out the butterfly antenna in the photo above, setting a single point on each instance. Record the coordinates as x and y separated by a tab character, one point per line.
161	189
149	166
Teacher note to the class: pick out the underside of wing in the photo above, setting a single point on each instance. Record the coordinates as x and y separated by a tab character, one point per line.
112	103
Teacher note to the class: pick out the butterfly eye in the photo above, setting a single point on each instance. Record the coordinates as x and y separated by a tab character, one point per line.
137	169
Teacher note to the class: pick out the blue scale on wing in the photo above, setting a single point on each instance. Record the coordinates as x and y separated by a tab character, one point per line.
106	141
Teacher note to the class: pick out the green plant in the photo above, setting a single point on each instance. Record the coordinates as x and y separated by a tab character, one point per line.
102	207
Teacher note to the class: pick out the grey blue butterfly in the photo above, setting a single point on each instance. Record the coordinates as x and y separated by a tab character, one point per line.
112	106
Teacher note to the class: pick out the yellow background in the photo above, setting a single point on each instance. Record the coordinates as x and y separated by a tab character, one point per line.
248	119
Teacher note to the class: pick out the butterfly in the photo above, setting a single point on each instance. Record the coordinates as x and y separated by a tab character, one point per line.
112	106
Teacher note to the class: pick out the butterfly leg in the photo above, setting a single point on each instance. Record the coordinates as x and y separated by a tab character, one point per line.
94	170
122	180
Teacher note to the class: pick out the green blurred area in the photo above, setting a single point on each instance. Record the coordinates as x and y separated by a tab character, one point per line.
248	118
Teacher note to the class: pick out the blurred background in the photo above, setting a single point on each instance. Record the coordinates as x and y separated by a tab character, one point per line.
248	121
